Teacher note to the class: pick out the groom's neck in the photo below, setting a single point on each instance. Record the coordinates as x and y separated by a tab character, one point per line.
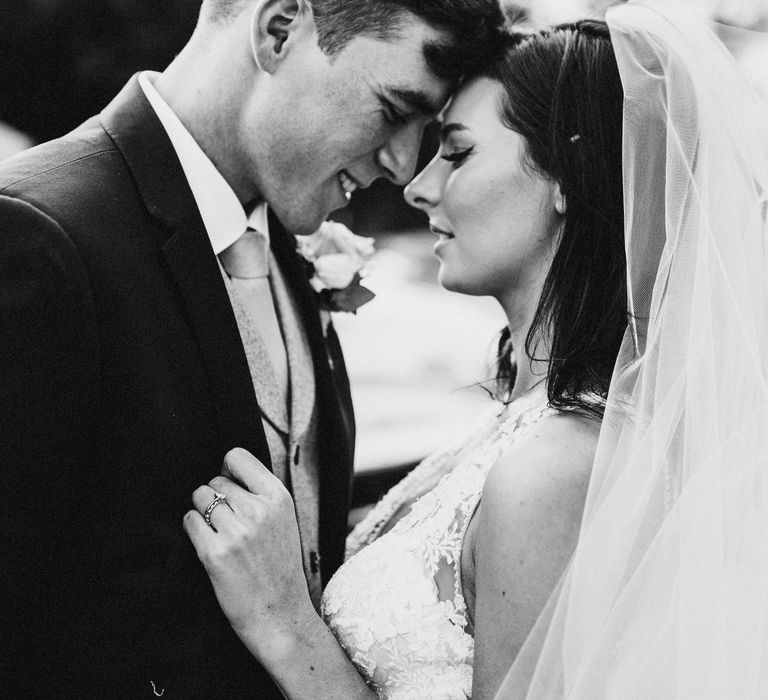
206	87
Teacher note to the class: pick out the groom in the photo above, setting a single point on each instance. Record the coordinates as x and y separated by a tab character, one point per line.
137	346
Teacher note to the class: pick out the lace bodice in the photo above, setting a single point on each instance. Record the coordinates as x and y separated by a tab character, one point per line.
397	604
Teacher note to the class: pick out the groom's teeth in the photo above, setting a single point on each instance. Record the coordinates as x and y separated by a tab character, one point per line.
347	183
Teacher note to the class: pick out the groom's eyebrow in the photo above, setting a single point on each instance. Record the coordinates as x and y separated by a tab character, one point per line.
447	129
416	99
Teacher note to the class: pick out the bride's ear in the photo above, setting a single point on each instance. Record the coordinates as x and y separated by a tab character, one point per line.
275	26
560	204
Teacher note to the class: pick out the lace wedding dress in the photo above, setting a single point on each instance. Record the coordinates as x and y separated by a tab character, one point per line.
397	605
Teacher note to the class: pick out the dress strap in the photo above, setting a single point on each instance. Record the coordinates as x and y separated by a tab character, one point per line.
369	529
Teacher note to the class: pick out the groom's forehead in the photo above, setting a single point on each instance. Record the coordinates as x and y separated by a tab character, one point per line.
402	65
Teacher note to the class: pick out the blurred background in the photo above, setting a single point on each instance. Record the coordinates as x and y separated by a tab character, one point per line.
417	355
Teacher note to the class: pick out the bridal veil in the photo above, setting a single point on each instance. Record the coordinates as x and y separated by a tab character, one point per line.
667	592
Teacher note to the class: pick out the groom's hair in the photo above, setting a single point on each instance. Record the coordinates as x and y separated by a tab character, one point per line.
472	28
563	95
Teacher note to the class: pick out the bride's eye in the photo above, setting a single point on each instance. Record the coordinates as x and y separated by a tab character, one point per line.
456	158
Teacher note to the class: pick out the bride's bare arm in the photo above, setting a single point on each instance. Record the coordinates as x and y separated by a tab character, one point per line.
253	558
522	537
307	662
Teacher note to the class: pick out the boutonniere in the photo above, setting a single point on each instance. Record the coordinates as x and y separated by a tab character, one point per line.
337	260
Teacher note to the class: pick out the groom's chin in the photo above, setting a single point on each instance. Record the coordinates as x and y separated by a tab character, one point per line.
306	225
306	228
299	223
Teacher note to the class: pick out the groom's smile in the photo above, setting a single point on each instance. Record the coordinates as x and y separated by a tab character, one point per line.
337	123
347	184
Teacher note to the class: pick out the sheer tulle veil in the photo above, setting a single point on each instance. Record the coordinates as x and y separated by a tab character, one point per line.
667	592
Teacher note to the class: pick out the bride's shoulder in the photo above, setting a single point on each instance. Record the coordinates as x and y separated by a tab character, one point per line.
530	509
525	531
549	469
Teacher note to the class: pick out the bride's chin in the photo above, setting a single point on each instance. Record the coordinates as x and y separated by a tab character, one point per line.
461	285
449	282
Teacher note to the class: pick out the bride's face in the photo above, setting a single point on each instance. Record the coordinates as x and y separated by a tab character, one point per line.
496	218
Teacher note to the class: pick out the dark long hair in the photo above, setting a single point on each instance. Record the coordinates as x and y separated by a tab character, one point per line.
563	94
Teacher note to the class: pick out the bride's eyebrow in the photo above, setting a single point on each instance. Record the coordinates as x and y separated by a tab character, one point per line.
447	129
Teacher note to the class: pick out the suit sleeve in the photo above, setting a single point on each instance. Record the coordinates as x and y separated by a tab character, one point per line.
48	375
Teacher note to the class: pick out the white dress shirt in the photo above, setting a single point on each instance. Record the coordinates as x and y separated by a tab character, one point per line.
225	221
224	218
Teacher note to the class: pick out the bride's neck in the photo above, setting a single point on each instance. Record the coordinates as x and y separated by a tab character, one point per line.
526	379
520	305
529	372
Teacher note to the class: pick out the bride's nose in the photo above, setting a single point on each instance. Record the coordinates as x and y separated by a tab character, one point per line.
423	192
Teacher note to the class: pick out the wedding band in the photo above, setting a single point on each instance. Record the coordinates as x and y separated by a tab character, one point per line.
218	499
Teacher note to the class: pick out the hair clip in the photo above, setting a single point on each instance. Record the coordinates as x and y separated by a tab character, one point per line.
574	138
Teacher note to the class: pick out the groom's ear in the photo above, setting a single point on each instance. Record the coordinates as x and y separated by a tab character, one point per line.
275	27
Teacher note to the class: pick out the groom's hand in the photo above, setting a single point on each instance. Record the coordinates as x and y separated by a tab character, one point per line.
251	551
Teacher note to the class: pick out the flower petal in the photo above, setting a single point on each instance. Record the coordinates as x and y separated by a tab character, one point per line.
336	271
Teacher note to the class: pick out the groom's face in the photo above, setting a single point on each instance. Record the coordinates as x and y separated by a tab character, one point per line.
338	123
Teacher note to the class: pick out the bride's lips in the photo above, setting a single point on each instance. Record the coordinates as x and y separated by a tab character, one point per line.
443	237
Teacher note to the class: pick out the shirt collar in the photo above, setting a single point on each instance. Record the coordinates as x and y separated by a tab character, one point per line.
224	218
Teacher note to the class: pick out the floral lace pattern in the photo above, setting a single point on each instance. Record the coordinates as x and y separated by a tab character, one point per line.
389	605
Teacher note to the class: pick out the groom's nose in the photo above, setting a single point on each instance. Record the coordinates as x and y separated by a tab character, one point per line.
397	157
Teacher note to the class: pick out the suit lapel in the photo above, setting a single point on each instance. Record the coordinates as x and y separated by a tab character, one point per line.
140	137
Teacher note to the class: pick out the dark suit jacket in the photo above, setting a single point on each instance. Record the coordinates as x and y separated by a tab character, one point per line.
123	382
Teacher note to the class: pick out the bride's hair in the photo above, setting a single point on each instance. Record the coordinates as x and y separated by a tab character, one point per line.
563	94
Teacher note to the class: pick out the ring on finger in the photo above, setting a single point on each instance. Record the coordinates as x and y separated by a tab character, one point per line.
218	499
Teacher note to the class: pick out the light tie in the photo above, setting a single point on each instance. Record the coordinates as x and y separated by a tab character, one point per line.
246	261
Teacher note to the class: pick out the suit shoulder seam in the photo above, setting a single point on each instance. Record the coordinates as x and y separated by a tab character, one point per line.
56	167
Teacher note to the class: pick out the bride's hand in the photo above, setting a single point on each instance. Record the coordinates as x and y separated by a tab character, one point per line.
251	552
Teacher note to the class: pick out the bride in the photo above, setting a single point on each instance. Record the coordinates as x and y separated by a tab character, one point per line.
450	570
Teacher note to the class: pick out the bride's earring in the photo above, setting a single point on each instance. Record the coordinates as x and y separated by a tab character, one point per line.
560	203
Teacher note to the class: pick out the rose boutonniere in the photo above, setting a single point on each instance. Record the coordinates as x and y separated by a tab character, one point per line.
337	260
